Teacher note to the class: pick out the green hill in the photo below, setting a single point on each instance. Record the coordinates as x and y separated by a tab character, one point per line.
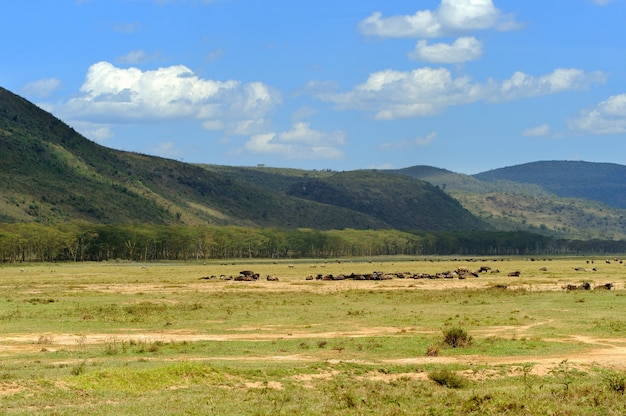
402	202
539	202
604	182
49	173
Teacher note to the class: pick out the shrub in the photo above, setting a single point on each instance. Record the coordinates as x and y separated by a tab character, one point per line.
447	378
456	337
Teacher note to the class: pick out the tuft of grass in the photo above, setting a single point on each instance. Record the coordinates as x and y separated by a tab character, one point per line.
432	351
79	369
448	378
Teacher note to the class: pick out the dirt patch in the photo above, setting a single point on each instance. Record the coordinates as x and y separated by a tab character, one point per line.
8	389
20	342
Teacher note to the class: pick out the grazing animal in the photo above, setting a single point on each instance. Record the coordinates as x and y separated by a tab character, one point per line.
514	274
606	286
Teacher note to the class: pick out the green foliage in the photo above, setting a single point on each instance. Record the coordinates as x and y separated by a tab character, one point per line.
97	242
456	337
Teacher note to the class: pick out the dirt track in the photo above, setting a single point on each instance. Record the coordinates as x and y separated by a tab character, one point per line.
604	352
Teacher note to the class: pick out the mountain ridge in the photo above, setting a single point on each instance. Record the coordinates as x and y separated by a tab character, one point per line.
49	173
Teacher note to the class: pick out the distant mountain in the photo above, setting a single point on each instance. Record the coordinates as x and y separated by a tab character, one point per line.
604	182
565	199
448	180
50	173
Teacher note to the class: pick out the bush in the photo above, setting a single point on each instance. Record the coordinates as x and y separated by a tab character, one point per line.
447	378
456	337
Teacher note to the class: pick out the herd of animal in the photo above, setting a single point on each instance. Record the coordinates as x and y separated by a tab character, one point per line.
461	272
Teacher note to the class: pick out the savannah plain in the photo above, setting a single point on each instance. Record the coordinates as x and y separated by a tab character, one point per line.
118	338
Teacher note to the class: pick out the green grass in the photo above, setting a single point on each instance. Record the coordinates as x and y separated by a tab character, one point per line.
109	339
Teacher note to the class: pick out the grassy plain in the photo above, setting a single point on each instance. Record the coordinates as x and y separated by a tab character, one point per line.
160	339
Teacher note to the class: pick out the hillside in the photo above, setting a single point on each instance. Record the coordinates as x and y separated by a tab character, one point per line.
604	182
448	180
391	198
49	173
530	204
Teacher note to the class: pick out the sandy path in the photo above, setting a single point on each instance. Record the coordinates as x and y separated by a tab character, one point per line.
603	352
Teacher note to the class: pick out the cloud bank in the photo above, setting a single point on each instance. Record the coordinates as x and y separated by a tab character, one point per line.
428	91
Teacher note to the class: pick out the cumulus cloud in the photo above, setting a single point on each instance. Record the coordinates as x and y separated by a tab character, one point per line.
428	91
608	117
538	131
41	88
414	142
522	85
463	49
451	18
117	95
301	142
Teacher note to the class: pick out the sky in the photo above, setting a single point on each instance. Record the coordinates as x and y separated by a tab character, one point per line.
464	85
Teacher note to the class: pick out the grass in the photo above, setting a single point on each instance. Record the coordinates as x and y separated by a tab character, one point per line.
120	338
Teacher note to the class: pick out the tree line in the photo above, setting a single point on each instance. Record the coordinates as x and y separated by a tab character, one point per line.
74	241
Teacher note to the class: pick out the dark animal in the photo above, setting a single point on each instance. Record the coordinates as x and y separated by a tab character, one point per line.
606	286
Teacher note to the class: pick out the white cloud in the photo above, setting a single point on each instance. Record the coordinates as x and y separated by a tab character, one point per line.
451	18
602	2
522	85
116	95
538	131
608	117
301	142
41	88
246	127
393	94
463	49
428	91
420	141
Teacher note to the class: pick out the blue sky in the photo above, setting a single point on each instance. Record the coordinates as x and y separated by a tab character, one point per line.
465	85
